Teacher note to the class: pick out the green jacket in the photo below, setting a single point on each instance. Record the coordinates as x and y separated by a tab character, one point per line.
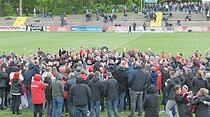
57	89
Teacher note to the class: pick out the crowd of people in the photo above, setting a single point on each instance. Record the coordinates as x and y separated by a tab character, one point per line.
79	82
168	8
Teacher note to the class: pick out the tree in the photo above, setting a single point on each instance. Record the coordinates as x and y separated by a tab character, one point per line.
20	7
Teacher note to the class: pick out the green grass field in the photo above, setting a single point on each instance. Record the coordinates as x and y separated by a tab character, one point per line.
27	43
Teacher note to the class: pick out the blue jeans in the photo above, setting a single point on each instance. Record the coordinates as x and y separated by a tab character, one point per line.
29	98
57	102
109	104
121	100
81	110
95	106
71	108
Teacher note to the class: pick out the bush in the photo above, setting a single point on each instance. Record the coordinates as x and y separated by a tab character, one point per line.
120	8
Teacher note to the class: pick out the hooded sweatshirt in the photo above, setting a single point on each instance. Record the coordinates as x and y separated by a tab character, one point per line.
151	102
37	90
57	87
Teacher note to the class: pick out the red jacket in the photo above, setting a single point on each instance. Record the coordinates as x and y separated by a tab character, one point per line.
37	90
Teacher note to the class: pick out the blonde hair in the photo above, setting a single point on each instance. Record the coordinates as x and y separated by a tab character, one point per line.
200	74
204	91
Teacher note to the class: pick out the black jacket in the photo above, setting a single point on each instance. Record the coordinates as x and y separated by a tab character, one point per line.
16	87
111	89
138	80
48	90
201	108
32	70
170	88
183	109
80	94
122	78
198	83
70	82
11	69
3	79
165	76
95	85
151	102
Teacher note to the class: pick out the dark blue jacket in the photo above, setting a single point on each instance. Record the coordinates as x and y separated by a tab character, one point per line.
138	80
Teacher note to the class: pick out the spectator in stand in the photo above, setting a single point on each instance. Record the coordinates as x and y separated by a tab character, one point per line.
26	11
134	26
111	94
34	11
38	96
17	12
144	26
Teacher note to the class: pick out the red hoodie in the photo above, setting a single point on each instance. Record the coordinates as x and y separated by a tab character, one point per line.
37	90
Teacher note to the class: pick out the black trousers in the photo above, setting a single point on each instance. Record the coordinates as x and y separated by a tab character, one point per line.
16	100
38	108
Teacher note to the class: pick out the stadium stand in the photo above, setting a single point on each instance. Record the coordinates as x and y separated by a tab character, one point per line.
20	21
158	21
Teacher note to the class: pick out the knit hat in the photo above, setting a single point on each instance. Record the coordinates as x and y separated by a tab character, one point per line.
16	76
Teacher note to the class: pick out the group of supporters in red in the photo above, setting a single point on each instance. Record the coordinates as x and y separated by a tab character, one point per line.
78	83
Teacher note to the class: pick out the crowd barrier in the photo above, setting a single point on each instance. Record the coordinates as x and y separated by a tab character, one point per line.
58	28
192	29
107	29
86	29
11	28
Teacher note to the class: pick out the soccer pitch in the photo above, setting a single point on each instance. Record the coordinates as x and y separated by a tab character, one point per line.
27	42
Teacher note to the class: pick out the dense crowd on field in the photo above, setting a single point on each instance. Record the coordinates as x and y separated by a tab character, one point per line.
93	80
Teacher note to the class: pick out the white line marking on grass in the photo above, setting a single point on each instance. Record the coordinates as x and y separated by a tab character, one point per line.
129	40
